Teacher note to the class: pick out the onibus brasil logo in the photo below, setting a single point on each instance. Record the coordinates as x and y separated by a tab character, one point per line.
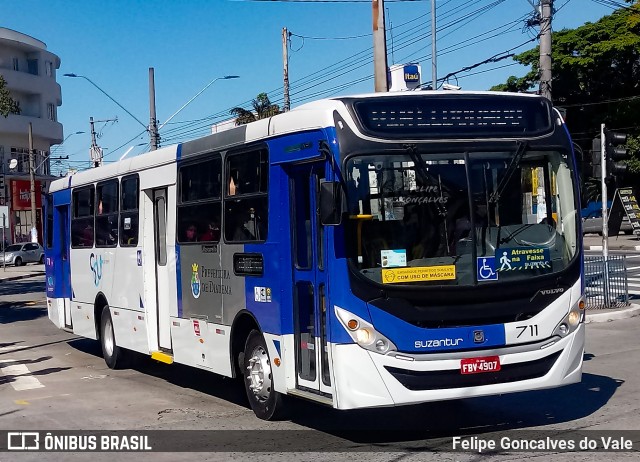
195	281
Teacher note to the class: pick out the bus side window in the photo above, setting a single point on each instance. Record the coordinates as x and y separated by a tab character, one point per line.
82	221
129	199
246	204
199	204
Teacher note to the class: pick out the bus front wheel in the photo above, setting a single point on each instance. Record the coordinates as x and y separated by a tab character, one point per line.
113	355
266	403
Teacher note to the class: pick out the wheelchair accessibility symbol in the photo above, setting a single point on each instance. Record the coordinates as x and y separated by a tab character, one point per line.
487	269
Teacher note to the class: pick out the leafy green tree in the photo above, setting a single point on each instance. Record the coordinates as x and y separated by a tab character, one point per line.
262	108
7	104
596	76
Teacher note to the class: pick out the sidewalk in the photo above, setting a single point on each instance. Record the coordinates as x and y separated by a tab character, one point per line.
11	273
621	242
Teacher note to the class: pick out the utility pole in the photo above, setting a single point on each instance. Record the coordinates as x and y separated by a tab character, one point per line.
546	10
379	47
605	213
285	61
153	122
434	55
95	151
34	228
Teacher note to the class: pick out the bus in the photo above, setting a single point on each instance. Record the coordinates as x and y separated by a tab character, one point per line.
359	252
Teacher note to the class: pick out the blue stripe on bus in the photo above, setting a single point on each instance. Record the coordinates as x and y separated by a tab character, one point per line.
410	338
178	281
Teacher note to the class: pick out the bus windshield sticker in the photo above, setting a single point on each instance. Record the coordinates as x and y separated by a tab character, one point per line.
393	258
523	259
419	274
486	267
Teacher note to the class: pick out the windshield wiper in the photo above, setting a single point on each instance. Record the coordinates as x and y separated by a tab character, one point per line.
515	162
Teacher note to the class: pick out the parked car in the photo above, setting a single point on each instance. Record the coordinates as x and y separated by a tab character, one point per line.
23	253
592	223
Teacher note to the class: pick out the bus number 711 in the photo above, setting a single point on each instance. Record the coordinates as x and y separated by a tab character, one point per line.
532	328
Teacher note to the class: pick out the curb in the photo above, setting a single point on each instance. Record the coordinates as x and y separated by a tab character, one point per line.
612	247
606	316
22	276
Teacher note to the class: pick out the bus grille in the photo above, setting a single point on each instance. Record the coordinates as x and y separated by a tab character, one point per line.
437	380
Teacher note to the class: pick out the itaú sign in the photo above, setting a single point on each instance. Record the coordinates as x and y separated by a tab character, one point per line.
21	194
411	73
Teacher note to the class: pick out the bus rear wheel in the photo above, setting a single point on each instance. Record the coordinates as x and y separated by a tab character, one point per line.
266	403
113	355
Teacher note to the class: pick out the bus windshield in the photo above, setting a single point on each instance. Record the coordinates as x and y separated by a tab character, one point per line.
461	218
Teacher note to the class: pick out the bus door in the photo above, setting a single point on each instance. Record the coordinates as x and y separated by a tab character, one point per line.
62	270
309	280
157	221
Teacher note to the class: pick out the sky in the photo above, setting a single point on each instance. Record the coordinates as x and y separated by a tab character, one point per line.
190	43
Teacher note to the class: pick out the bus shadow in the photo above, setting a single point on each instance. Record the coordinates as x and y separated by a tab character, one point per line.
215	385
20	311
461	417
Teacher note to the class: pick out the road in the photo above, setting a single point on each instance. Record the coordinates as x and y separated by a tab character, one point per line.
51	380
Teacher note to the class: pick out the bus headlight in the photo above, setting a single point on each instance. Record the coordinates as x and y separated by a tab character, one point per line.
572	320
363	332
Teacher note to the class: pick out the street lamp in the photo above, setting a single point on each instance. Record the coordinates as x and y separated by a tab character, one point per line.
226	77
65	139
108	96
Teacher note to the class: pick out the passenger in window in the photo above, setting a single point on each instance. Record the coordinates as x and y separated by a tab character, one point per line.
86	239
234	187
212	233
191	233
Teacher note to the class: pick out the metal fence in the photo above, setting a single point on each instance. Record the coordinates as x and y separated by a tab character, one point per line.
602	292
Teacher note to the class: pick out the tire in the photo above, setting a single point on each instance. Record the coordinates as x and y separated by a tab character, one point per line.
114	356
18	261
266	403
41	261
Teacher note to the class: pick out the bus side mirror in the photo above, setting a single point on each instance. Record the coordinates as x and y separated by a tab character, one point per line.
330	203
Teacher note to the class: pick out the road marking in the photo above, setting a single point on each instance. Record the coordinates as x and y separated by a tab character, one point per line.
13	347
20	374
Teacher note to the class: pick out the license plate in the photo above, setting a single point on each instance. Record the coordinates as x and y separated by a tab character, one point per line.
480	365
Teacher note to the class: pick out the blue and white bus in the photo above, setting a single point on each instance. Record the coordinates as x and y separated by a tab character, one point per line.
365	251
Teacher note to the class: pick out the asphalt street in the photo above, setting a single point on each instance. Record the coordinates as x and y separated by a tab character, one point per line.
51	380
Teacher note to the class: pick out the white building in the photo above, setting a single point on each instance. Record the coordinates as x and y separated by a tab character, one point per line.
30	74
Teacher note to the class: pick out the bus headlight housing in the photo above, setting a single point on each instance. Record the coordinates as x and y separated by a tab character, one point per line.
363	332
572	320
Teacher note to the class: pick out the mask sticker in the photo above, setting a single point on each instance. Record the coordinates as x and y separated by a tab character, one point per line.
419	274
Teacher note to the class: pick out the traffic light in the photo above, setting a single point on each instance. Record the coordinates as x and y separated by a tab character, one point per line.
615	154
596	159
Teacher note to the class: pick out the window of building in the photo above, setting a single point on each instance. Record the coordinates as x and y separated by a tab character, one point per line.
107	214
16	64
32	66
129	213
51	112
199	208
246	204
48	68
82	221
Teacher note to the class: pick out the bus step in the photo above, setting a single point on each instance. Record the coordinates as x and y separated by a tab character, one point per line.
162	357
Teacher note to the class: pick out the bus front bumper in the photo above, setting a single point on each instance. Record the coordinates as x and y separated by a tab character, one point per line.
366	379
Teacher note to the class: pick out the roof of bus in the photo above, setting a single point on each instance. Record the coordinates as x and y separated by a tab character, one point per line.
313	115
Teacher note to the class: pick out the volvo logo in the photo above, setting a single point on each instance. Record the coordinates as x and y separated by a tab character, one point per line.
478	336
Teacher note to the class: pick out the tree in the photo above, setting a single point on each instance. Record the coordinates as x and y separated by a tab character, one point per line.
262	108
596	75
7	104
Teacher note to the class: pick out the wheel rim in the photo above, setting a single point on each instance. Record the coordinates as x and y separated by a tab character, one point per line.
259	377
109	341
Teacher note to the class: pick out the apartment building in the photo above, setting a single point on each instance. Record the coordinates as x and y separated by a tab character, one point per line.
29	70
